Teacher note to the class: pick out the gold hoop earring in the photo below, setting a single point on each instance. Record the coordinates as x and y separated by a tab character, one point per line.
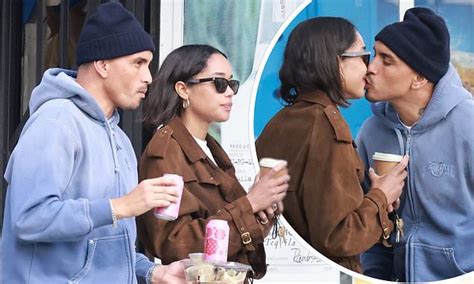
186	103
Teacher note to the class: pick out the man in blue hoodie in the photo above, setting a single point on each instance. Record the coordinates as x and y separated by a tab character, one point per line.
72	179
422	110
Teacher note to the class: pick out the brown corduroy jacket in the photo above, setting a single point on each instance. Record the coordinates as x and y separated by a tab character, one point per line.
325	202
210	192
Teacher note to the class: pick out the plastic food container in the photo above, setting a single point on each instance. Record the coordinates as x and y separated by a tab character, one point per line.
201	271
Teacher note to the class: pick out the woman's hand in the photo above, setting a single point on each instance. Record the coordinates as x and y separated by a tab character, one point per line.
392	182
269	190
394	206
269	213
265	221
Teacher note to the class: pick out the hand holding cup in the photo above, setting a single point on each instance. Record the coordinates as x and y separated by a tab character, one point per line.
269	188
391	174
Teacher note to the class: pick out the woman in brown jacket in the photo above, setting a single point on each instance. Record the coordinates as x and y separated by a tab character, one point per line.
324	65
194	88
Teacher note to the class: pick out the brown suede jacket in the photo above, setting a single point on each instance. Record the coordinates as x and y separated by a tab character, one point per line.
325	203
210	192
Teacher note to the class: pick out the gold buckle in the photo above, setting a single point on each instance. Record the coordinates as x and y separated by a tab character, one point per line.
246	239
386	233
386	236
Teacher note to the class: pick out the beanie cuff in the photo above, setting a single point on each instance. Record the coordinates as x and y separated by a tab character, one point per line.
111	32
113	46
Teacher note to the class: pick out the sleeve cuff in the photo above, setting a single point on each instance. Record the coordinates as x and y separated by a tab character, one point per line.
377	196
149	274
244	219
144	269
100	212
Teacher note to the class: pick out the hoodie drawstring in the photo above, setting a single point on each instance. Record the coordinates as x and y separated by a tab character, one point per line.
113	144
400	141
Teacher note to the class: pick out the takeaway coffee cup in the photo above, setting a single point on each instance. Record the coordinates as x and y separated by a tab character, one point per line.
267	164
384	162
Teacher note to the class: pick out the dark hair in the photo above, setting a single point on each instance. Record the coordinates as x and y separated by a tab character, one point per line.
162	102
311	58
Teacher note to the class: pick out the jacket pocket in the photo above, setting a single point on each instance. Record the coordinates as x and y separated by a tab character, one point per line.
430	263
108	260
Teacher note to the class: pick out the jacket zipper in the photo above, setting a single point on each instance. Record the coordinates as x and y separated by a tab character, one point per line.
410	197
409	178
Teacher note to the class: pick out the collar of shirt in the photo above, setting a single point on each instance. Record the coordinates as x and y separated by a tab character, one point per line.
192	150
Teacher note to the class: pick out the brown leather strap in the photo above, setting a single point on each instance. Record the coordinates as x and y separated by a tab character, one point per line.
244	233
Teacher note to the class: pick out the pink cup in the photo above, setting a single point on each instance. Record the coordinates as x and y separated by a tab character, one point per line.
171	212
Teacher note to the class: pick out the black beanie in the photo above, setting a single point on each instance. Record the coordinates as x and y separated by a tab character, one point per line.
421	40
110	33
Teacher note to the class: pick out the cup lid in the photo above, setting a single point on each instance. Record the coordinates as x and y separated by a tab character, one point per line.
386	157
270	162
196	256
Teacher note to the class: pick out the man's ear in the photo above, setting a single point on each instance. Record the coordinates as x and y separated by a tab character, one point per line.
101	67
182	90
419	81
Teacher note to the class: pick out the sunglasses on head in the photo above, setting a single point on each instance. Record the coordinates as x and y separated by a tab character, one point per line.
220	83
365	55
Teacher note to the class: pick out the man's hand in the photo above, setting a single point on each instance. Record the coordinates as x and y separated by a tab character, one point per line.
148	194
172	273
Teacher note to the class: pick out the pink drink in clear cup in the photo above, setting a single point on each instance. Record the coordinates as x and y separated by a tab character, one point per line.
170	213
217	241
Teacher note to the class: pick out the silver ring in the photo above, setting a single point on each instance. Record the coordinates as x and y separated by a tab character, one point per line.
262	222
274	206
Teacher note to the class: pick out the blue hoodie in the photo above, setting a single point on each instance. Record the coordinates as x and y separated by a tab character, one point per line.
70	160
438	200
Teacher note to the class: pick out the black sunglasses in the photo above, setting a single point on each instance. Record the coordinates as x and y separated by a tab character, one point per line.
365	55
220	83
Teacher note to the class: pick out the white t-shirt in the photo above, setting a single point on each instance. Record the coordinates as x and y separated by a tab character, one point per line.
205	148
404	125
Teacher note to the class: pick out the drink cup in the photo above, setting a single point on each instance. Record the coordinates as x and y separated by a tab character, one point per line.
384	162
217	241
171	212
267	164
